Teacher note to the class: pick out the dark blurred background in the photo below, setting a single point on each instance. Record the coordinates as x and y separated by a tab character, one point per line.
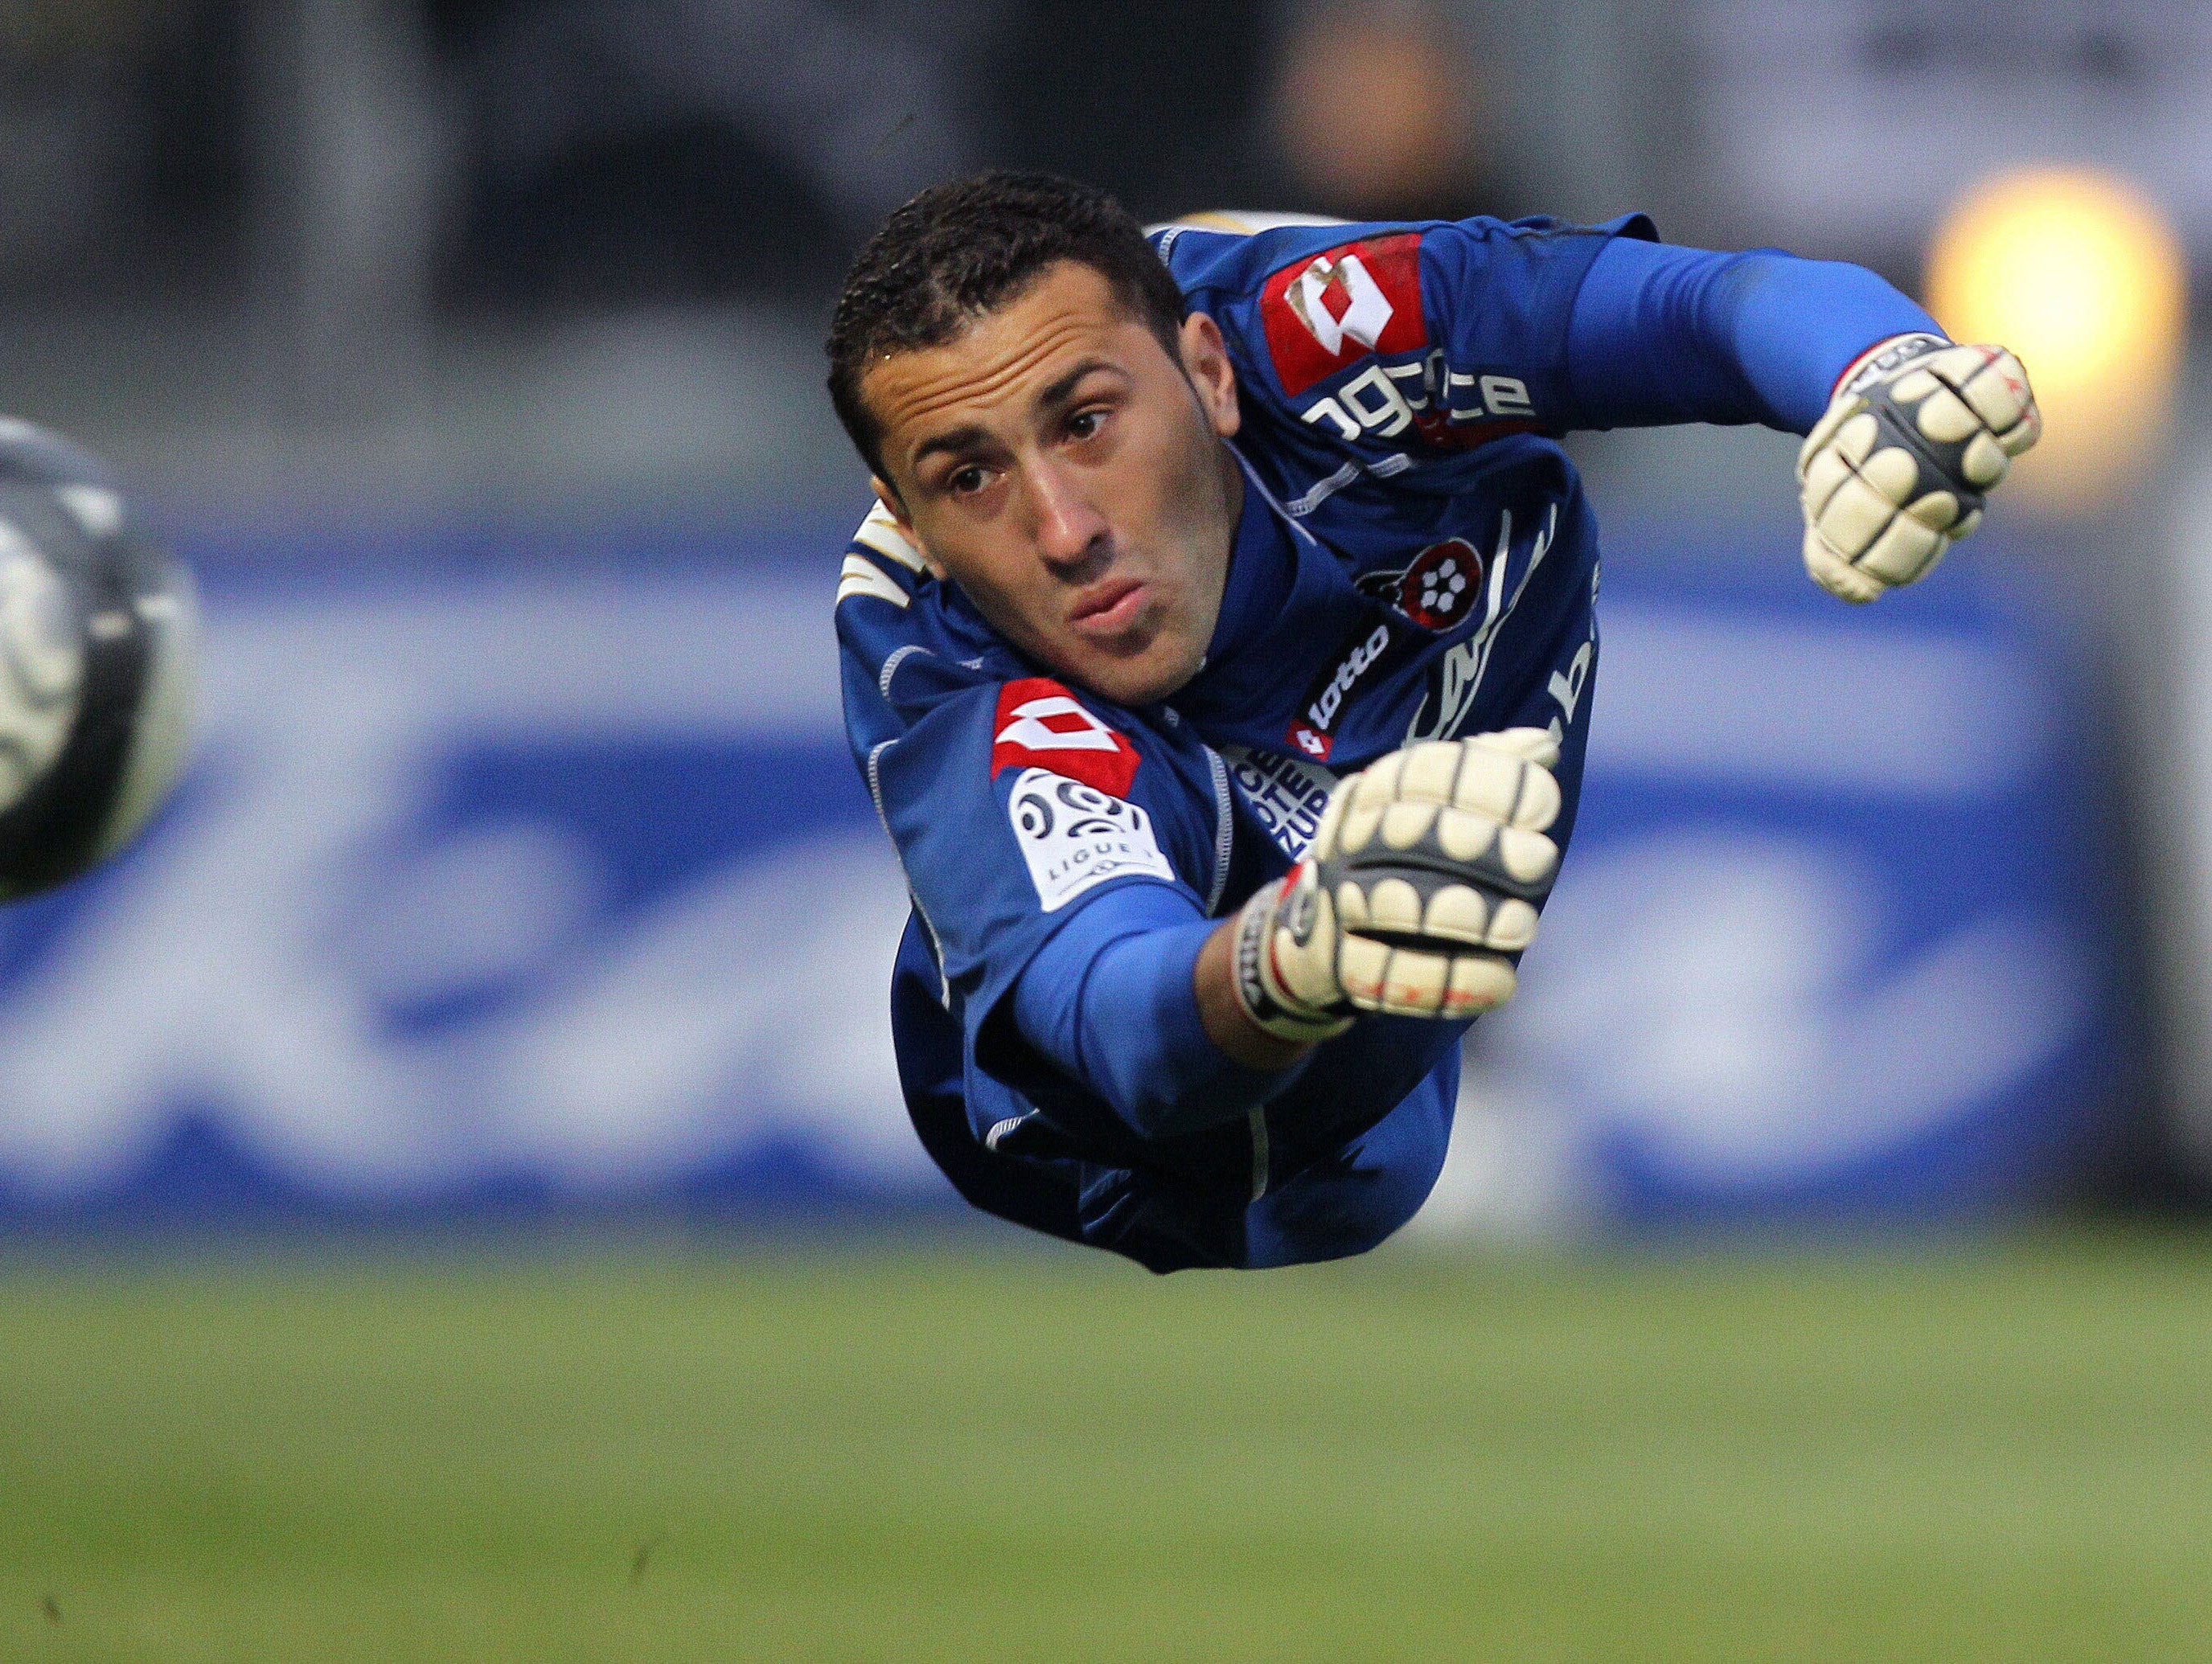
514	251
360	251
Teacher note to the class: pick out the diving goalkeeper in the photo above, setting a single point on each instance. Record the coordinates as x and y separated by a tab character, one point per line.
1220	655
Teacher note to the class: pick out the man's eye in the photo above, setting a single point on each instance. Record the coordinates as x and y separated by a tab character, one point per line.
964	481
1084	423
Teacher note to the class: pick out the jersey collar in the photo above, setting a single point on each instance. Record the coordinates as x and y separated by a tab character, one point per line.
1263	560
1263	564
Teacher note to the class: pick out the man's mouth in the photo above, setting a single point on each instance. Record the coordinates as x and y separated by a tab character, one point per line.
1109	609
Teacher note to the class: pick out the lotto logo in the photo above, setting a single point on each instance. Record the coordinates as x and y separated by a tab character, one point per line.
1040	725
1325	314
1314	732
1366	308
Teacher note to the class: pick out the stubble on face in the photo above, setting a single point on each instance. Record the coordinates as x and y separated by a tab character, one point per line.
1063	469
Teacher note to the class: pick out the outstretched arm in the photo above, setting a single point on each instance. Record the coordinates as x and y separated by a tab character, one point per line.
1907	433
1661	335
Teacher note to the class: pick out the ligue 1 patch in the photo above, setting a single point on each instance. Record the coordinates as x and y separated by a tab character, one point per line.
1073	836
1326	313
1040	725
1439	589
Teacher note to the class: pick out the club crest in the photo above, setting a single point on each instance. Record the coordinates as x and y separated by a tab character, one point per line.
1437	590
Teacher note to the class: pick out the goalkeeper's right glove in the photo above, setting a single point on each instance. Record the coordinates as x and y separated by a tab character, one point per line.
1418	891
1896	473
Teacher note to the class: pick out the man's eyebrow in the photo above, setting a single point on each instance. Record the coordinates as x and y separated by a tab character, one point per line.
1061	390
1058	392
954	439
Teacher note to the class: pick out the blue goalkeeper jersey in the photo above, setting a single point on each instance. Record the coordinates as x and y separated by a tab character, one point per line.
1415	560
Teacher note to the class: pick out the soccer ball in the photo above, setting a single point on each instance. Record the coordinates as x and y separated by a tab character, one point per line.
98	643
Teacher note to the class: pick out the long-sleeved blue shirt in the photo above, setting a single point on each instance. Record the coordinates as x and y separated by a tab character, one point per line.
1415	560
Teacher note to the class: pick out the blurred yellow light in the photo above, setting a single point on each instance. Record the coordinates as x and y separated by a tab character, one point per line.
2082	277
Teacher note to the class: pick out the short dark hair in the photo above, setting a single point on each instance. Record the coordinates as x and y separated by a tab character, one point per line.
961	250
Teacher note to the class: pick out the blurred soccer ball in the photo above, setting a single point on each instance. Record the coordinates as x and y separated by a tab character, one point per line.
98	643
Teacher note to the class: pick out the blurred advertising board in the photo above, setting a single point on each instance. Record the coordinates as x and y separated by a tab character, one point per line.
1833	941
2169	654
548	888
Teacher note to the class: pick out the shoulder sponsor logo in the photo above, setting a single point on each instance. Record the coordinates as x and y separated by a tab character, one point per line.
1313	729
1451	409
1319	287
1041	725
1325	314
1476	407
1074	837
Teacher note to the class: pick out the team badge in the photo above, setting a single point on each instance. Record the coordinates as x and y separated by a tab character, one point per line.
1439	589
1326	313
1040	725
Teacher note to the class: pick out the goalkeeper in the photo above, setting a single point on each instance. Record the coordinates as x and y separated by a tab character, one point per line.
1220	655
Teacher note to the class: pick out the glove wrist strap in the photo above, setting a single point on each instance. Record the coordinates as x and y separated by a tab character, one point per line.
1885	358
1269	1004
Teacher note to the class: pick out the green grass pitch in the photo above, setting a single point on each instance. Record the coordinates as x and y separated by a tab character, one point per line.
926	1454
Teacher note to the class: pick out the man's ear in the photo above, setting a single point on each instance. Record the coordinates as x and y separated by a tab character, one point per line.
887	496
1213	376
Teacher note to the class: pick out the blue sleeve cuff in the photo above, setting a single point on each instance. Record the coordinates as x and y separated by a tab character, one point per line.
1111	1001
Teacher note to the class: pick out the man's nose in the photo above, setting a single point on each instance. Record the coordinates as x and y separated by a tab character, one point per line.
1069	530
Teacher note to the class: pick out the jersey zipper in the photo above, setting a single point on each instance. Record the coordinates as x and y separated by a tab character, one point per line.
1225	829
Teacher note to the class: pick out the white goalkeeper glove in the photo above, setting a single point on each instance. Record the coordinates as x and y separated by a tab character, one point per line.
1896	471
1420	885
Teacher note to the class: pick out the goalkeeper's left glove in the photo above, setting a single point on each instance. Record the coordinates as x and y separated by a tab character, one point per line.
1417	895
1896	471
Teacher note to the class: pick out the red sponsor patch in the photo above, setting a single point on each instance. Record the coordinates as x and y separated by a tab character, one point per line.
1329	312
1040	725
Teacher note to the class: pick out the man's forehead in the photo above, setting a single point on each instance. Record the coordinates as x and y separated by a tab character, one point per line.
1004	358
